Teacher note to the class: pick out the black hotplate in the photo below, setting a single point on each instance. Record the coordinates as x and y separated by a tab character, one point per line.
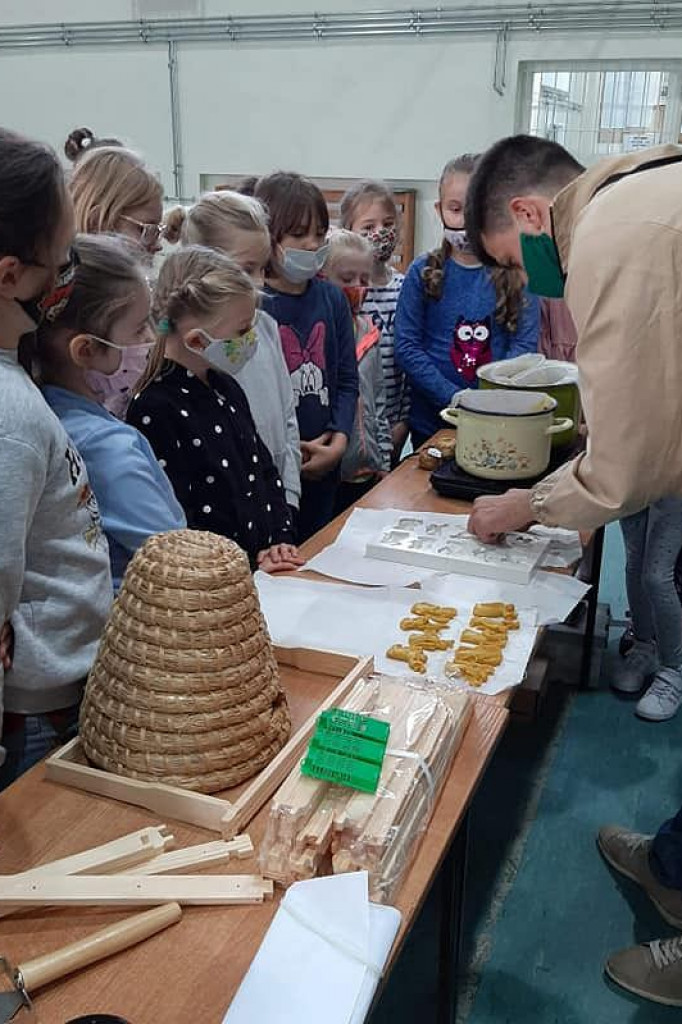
452	482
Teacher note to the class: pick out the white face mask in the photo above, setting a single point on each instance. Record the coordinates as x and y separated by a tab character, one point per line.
299	265
458	239
232	354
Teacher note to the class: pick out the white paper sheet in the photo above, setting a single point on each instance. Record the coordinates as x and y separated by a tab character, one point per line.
362	621
321	958
345	559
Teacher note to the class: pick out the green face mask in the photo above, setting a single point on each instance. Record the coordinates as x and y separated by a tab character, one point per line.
542	265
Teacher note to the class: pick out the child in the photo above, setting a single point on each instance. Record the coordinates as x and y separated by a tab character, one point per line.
55	586
368	456
114	191
198	420
369	209
316	331
455	315
653	539
238	226
97	346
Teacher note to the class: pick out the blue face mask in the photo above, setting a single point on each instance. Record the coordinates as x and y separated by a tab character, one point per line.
543	266
299	265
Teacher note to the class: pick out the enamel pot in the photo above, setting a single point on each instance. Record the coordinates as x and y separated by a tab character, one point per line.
504	435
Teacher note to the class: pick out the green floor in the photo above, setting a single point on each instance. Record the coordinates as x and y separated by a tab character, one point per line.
543	909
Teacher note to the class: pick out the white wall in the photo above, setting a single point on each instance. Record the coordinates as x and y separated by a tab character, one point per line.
396	109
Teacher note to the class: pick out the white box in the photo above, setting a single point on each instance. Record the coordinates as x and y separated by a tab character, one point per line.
451	548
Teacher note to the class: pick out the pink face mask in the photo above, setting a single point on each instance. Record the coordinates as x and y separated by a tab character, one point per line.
113	390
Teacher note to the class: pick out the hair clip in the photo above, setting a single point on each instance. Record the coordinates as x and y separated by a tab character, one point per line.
163	325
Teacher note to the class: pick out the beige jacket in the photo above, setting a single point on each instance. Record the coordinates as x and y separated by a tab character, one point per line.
620	244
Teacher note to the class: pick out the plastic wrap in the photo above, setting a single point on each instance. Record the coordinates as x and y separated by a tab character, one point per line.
318	828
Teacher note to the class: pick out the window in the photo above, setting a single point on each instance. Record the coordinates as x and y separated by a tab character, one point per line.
601	109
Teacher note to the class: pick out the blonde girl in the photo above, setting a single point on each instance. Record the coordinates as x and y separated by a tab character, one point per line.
114	191
454	314
97	347
238	226
196	416
369	209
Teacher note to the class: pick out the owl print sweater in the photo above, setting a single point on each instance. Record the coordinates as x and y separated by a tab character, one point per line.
316	330
441	343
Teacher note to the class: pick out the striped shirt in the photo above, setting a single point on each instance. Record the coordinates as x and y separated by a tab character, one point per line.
380	303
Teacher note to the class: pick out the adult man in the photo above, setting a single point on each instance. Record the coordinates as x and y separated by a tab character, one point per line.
610	240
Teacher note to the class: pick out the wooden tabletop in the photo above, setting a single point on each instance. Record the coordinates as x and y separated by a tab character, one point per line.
191	971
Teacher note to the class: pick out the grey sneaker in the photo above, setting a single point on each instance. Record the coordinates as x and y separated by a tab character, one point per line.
636	667
628	853
663	698
653	970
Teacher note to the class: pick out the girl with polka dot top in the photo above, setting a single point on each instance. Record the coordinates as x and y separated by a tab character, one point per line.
196	416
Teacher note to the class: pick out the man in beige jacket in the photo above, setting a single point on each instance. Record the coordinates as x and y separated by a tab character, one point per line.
610	241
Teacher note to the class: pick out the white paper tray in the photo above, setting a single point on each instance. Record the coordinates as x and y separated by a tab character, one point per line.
446	547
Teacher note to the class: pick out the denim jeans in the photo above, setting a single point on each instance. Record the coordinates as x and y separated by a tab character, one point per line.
653	539
665	858
35	737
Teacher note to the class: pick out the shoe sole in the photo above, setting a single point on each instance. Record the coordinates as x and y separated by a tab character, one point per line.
640	992
652	718
675	922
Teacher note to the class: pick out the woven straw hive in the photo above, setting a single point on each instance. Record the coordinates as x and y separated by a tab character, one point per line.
185	687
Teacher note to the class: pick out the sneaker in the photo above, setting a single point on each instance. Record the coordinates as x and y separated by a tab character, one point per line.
636	667
663	698
653	970
628	853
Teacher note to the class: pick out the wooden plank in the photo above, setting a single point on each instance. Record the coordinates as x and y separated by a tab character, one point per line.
166	801
133	890
126	853
201	855
262	788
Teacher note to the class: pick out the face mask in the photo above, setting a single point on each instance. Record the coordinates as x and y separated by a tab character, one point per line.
383	242
113	390
458	239
299	265
542	265
355	293
232	355
50	304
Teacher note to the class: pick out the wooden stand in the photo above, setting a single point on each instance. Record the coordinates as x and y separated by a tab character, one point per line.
219	814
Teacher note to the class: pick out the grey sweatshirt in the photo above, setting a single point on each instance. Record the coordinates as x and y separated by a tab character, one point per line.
55	583
267	385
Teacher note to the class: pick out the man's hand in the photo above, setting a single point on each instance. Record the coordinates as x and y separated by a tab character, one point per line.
320	456
280	558
6	645
492	517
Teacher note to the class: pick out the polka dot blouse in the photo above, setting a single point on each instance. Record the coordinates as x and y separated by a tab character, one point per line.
205	439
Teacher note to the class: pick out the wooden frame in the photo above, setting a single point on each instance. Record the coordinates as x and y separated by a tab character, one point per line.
217	814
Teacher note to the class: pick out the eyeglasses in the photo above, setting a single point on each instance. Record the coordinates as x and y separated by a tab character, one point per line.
150	234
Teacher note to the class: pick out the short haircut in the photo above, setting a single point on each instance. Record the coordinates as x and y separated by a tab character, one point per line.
293	203
520	165
32	197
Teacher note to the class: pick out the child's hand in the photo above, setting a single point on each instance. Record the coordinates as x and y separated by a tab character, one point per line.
399	434
6	645
323	455
280	558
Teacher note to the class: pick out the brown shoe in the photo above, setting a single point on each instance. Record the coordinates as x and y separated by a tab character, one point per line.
628	853
653	970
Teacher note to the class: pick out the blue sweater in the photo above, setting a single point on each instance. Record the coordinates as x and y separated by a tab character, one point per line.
440	343
318	341
134	494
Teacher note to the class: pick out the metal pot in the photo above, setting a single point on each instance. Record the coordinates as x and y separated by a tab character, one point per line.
560	382
504	435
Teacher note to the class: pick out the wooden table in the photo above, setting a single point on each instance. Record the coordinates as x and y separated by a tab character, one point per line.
192	971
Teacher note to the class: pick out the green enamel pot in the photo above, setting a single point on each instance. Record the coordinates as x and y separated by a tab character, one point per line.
565	394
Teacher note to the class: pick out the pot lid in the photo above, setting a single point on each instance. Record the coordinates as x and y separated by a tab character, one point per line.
505	403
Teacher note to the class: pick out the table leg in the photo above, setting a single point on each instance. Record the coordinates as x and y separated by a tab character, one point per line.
592	605
453	889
